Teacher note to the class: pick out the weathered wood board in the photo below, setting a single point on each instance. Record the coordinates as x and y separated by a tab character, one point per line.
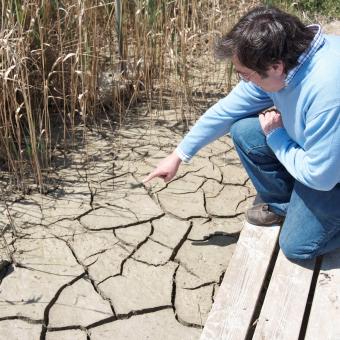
285	302
324	319
237	297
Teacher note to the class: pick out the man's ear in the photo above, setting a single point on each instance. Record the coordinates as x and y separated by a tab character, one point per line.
278	68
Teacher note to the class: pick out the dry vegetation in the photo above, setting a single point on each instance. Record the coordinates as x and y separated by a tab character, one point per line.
66	64
63	64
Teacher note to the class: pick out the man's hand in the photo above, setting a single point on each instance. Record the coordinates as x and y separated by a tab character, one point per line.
166	169
270	120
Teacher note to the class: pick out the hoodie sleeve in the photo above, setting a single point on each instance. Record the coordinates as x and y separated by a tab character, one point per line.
245	99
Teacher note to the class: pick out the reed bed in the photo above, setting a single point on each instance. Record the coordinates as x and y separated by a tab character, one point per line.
66	63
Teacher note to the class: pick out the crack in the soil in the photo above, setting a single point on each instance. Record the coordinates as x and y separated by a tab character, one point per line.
205	203
173	303
241	201
201	285
122	208
186	268
223	184
131	314
92	281
208	178
213	196
110	319
213	294
99	252
152	195
23	266
221	278
243	184
52	302
151	264
84	213
169	213
22	318
196	190
161	243
124	225
188	324
181	242
176	179
217	284
76	218
139	245
93	192
173	292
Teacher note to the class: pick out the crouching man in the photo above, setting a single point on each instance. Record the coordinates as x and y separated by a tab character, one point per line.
291	151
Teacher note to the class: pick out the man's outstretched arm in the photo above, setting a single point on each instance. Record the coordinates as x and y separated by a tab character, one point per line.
244	100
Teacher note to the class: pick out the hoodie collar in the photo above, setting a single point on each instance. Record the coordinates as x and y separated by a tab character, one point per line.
316	43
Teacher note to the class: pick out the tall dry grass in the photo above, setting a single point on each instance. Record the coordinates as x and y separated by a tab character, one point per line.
65	63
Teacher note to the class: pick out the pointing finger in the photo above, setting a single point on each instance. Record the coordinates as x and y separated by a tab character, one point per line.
152	175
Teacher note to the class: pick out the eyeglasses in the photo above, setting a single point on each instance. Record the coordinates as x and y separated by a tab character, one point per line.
244	77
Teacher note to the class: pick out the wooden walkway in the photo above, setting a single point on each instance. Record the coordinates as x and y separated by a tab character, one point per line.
265	296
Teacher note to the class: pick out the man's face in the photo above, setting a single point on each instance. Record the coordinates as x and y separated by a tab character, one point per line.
275	80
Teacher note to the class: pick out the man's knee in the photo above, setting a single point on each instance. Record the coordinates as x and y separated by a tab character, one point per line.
237	128
242	127
295	250
246	132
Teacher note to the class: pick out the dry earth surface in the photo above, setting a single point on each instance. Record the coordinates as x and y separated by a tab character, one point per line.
104	257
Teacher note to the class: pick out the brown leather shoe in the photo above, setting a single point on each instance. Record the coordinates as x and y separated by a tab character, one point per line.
259	214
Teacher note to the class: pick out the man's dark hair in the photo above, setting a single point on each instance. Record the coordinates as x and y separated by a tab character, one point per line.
264	36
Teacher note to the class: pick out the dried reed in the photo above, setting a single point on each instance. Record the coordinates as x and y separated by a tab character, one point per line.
62	63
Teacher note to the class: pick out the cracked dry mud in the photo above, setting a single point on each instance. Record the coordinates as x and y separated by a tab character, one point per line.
104	257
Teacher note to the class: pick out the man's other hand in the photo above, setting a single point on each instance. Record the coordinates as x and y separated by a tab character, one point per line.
270	120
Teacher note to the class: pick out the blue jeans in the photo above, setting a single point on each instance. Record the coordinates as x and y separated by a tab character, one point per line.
312	223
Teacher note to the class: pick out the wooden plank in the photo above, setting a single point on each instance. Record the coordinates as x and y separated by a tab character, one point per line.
236	300
324	319
284	305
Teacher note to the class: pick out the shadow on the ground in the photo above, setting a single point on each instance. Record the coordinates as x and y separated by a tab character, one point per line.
218	238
